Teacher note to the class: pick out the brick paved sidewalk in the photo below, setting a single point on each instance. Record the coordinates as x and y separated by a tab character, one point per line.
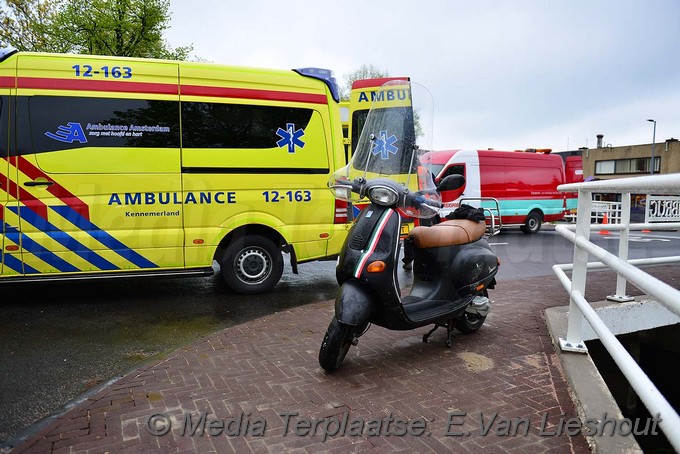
267	368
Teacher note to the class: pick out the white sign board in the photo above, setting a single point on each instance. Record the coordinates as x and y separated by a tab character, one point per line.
662	209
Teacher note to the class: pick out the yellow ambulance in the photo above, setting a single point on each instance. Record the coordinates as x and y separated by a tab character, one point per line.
118	166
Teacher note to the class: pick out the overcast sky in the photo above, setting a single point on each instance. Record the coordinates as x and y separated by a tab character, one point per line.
504	74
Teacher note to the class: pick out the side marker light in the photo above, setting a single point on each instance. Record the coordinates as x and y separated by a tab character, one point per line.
376	267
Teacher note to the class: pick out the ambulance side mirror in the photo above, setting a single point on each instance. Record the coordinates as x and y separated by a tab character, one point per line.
451	182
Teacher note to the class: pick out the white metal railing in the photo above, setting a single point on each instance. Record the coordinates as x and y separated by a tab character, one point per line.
601	212
606	212
666	187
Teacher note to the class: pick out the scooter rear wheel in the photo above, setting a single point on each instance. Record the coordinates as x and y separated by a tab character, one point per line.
335	345
469	323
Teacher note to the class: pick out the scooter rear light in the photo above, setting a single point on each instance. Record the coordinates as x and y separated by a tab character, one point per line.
376	267
340	212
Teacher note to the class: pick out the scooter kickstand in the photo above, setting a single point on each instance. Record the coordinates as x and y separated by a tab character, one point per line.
426	336
449	333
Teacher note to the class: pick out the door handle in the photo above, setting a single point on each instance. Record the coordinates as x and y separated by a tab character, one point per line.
39	183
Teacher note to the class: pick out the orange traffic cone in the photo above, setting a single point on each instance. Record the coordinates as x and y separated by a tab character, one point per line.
605	220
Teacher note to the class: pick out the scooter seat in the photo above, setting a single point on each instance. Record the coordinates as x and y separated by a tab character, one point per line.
448	233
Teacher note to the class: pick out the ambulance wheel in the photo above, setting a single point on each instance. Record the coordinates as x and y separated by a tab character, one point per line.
335	345
252	264
532	224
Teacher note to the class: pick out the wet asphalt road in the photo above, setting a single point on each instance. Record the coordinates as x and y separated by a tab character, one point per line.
59	340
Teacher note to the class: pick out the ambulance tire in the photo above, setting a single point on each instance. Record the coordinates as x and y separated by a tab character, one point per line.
252	264
532	224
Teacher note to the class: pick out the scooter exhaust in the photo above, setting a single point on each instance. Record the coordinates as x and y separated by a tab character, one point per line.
479	306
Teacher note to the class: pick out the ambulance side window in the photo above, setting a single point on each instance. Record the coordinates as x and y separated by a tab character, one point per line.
62	123
358	121
216	125
456	169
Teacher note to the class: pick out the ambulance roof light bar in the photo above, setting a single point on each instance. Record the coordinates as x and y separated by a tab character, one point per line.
6	52
536	150
323	74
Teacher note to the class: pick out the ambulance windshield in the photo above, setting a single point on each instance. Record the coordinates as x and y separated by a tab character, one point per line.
396	133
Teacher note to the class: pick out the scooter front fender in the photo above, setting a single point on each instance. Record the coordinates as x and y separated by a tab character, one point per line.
354	304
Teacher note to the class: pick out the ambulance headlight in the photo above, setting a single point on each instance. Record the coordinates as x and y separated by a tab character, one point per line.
382	195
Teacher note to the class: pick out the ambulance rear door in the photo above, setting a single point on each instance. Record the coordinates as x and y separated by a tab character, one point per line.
4	168
10	262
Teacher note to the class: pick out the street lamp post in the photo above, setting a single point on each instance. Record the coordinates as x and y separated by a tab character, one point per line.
651	170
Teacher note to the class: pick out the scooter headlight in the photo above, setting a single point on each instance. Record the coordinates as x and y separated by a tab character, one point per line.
382	195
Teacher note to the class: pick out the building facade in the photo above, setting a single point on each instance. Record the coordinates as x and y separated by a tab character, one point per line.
607	162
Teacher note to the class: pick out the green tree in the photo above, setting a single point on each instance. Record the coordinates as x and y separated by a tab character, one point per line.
125	28
27	24
365	72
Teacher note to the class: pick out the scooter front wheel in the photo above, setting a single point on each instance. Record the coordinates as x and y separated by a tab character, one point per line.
335	345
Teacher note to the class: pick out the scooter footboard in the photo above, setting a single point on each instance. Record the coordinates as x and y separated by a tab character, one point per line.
354	304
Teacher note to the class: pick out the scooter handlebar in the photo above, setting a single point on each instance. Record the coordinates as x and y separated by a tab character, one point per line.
418	200
356	186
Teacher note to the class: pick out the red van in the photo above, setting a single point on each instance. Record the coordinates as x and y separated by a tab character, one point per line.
523	183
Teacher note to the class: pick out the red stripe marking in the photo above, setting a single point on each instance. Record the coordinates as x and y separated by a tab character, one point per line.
56	189
96	85
366	83
270	95
166	89
6	82
27	199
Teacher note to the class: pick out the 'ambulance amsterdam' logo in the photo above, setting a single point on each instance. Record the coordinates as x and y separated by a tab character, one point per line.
384	145
290	137
70	133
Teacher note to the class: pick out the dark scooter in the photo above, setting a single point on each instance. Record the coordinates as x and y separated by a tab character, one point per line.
453	264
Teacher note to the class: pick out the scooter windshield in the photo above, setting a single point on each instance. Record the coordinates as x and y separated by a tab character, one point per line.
397	131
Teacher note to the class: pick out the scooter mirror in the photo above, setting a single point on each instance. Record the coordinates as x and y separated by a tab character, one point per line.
451	182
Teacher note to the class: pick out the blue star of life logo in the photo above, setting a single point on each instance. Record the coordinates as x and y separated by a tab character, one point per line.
72	132
384	145
290	137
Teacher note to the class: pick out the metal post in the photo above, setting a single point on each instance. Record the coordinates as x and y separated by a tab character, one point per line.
651	170
574	340
621	282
